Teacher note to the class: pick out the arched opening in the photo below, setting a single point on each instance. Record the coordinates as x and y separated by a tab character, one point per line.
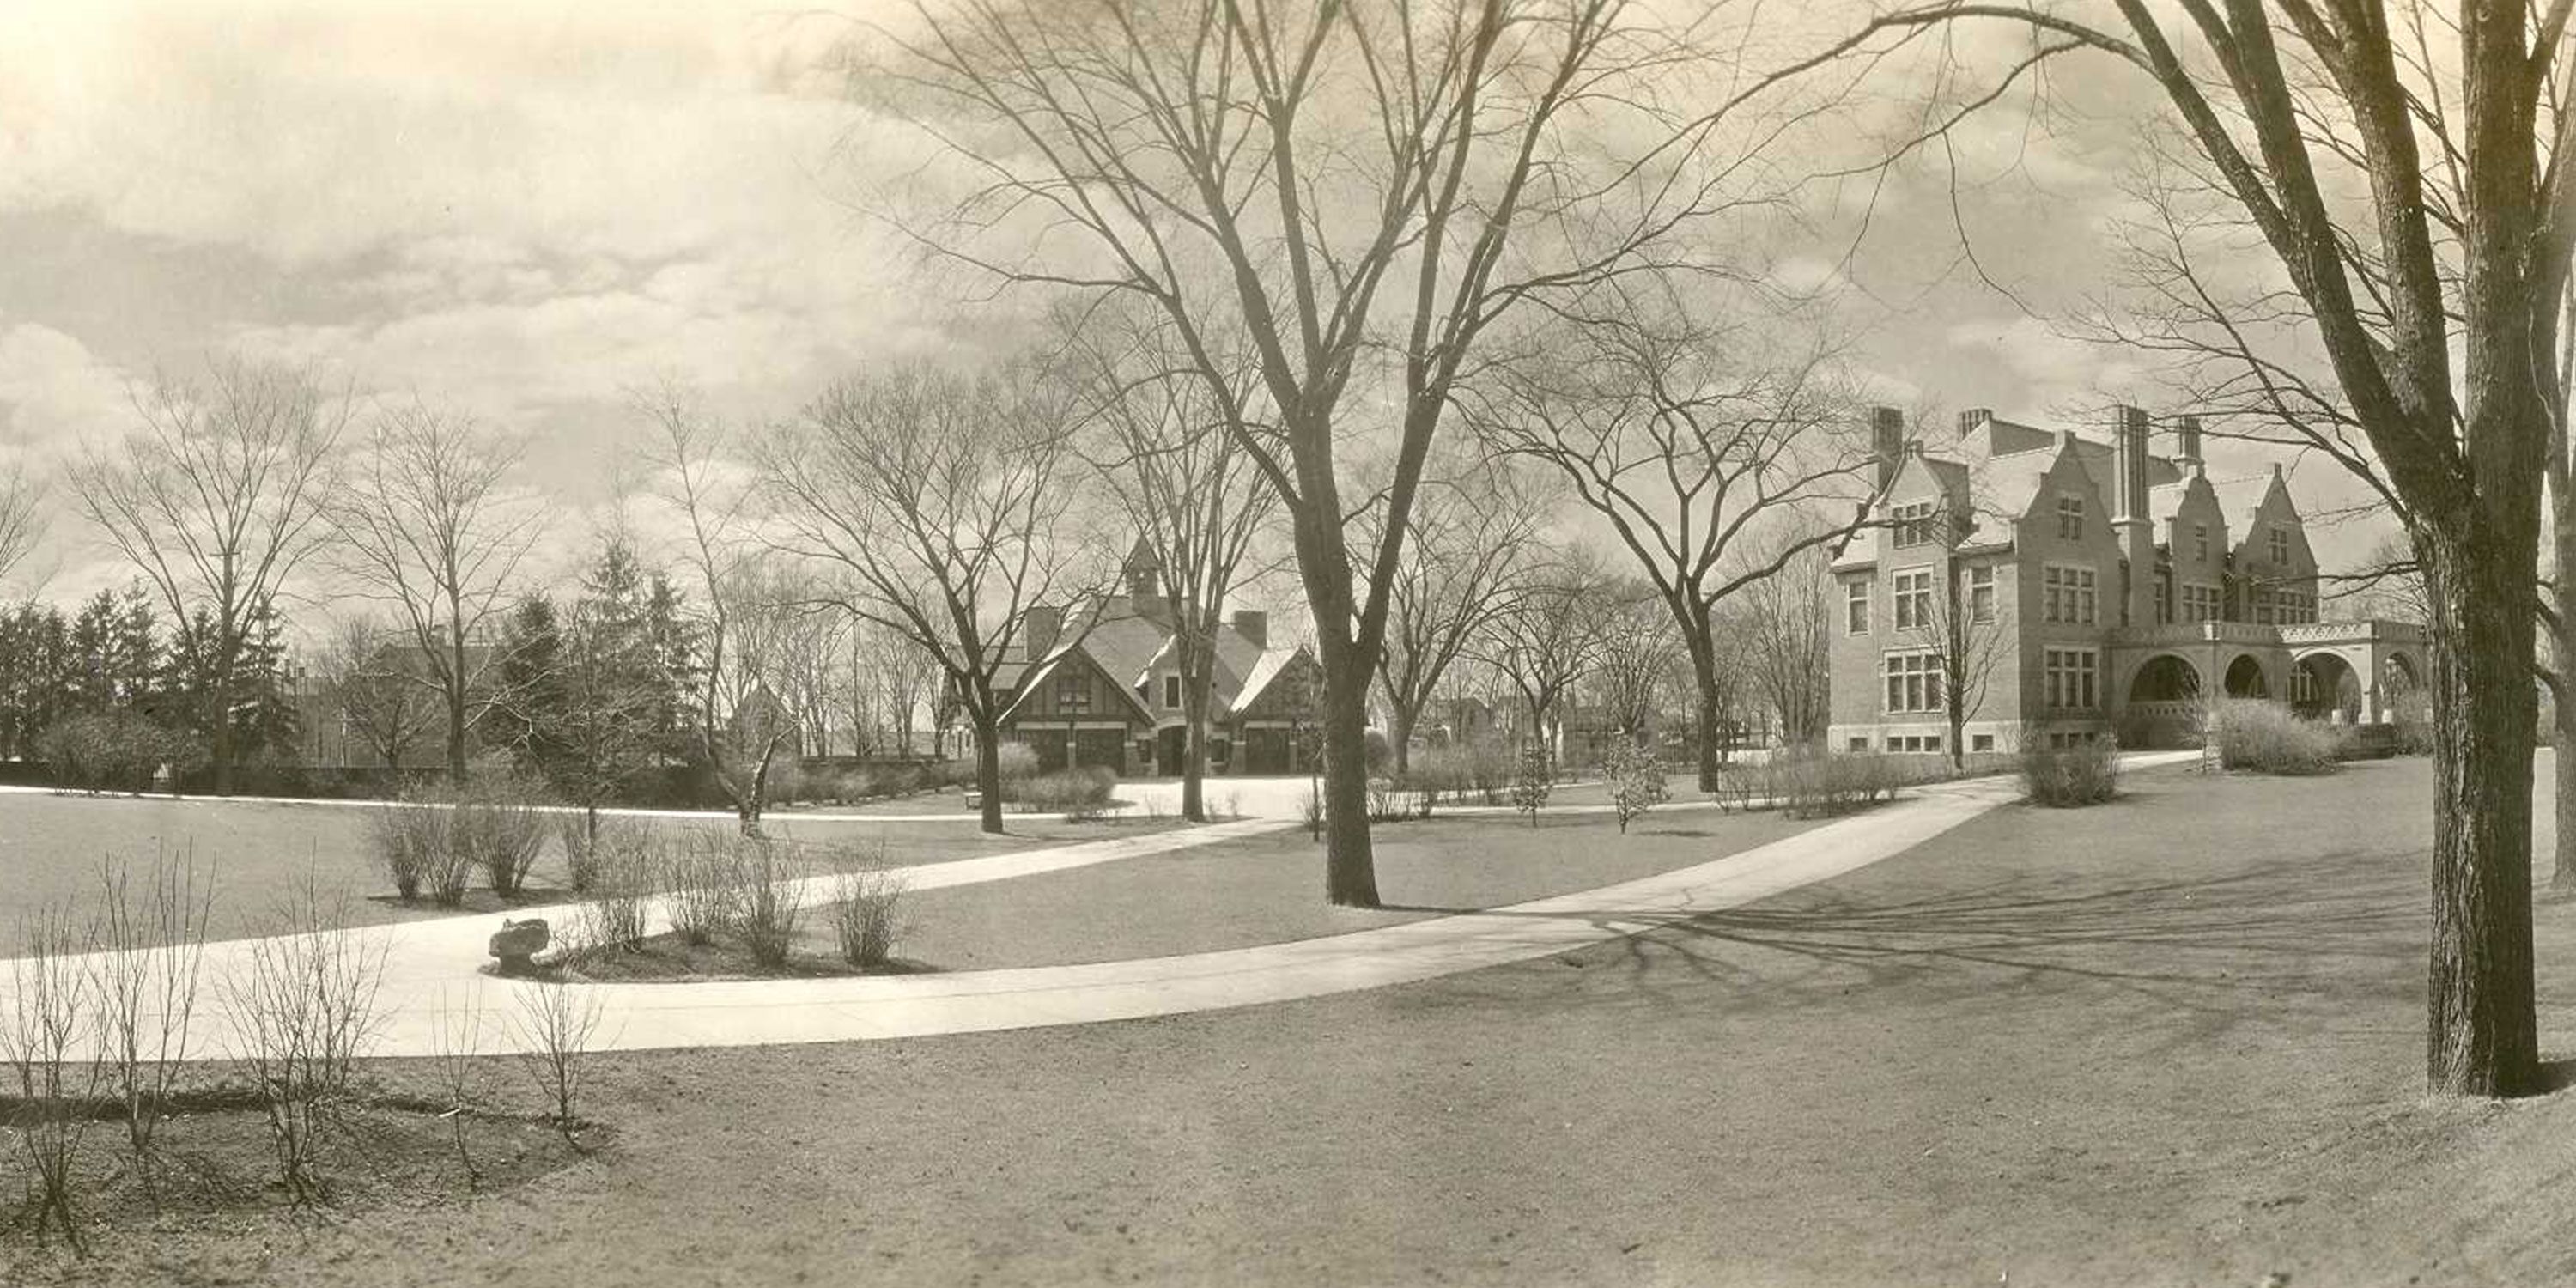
2401	691
2245	678
2165	678
2323	685
2397	674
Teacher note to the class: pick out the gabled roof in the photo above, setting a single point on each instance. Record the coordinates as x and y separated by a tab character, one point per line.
1270	666
1074	656
2242	498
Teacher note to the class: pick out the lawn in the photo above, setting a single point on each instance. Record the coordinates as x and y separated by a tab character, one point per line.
51	847
2172	1040
1258	890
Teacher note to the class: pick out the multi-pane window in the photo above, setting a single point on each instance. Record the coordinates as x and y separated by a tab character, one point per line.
1856	608
2279	540
1913	682
2200	542
1914	599
1981	594
1072	693
2264	612
1914	525
2199	603
2068	594
1914	742
2070	674
1172	692
2070	517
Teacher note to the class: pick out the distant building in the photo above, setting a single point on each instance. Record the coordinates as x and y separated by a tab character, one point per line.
1107	691
2114	586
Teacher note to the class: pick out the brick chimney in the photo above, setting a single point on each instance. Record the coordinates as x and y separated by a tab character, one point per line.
1253	626
1041	627
1886	442
1973	417
2187	438
2129	516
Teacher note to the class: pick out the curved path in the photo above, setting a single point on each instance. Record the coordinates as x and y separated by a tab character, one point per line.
432	977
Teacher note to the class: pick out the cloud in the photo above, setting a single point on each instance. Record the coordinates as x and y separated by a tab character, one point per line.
54	393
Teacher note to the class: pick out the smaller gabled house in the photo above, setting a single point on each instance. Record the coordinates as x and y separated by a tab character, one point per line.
1105	689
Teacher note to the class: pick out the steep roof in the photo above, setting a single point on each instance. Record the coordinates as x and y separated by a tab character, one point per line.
1269	667
2240	498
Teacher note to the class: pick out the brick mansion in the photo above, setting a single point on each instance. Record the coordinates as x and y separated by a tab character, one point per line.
2084	587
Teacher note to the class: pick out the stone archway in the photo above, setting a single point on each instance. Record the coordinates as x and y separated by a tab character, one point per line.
2166	677
2245	678
2324	685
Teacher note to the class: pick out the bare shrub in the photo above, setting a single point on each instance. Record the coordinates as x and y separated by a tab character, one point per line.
58	1089
556	1024
1532	780
414	840
2268	738
302	1014
500	827
1636	781
704	884
867	900
456	1038
2085	772
771	901
624	865
153	941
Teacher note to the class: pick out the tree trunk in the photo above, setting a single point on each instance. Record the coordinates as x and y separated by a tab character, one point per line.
1194	705
1399	736
2562	743
2481	1035
988	770
1350	862
220	750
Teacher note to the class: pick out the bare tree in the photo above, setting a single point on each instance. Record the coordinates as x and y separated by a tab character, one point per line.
949	500
1373	186
713	494
2410	193
1182	479
21	518
379	693
1964	631
1688	437
1784	637
215	495
1474	529
1547	639
1639	650
428	525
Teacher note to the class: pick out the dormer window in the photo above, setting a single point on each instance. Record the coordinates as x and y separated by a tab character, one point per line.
2280	543
2070	518
1914	523
1171	693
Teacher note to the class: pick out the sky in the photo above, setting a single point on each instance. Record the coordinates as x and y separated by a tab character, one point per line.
524	209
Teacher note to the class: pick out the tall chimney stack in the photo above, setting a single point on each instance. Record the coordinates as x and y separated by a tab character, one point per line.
1254	626
2129	513
1970	419
1042	627
1886	442
2187	436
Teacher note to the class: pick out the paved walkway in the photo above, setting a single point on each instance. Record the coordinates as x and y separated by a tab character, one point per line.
432	973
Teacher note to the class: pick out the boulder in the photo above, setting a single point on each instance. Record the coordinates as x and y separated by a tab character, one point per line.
518	942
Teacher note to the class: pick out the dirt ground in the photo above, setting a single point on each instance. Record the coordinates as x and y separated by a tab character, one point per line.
2174	1040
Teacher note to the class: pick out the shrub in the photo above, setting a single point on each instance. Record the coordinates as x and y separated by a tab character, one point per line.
1817	784
153	938
623	866
500	827
2086	772
303	1013
56	1087
1081	794
2267	738
1392	802
704	880
555	1024
115	751
1532	781
772	899
592	844
867	899
1310	811
1017	761
412	841
1636	781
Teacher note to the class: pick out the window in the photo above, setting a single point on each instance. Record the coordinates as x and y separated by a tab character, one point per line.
1914	742
2069	595
1913	682
1914	599
2280	543
2303	684
2070	674
2070	517
1172	690
1072	693
1914	523
2263	612
1856	744
1981	594
1856	608
2200	542
1981	742
2199	603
